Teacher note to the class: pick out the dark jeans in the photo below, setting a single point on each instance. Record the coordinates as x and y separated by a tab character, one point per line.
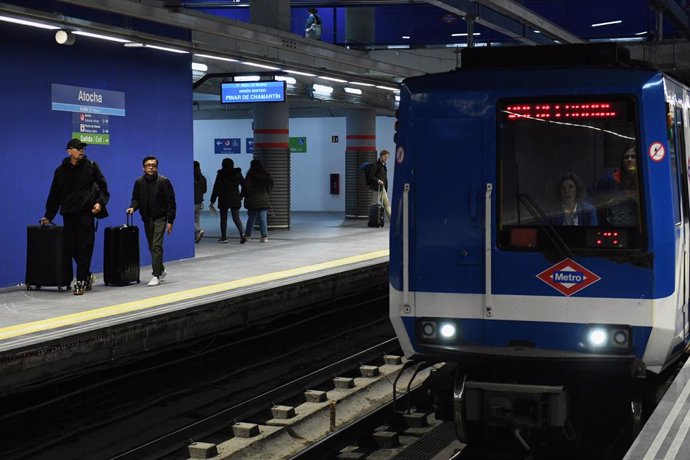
155	230
224	221
80	234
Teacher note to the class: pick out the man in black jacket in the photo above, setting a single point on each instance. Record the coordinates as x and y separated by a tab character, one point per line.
79	190
154	197
378	181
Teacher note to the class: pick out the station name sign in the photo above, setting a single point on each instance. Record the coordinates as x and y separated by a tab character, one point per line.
254	91
87	100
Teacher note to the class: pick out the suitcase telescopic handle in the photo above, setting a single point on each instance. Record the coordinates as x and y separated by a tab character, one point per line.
130	219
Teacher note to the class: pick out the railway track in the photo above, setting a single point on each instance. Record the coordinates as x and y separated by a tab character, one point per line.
111	411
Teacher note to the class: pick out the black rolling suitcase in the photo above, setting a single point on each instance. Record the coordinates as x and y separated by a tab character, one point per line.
47	262
121	254
376	213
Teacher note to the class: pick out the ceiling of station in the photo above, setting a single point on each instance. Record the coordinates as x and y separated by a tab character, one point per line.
372	43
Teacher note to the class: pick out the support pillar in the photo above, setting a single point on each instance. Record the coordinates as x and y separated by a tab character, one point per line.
360	147
270	13
271	122
272	147
360	26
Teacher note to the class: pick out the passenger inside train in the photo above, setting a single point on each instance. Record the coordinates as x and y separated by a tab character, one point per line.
537	141
575	210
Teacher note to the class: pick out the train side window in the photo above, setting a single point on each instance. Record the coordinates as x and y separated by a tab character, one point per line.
681	164
674	122
569	171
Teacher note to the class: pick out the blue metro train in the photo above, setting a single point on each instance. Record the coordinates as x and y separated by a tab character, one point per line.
539	238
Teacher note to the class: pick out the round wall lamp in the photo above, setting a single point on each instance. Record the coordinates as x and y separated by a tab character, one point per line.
64	37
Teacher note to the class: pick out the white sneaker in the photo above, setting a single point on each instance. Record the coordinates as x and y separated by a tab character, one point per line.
162	276
155	281
264	239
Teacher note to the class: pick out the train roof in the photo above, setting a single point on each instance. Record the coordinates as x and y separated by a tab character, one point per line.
585	66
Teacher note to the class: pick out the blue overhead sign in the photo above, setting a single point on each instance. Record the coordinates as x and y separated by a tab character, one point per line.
87	100
250	145
252	91
226	146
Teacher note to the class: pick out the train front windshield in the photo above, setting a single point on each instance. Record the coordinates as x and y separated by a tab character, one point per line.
569	169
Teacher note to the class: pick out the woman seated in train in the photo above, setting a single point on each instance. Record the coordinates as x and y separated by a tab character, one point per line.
574	210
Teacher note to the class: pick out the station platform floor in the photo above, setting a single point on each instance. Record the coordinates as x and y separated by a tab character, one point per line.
665	435
317	246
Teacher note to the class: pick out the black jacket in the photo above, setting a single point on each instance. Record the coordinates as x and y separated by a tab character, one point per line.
228	188
378	171
76	188
256	190
154	197
199	187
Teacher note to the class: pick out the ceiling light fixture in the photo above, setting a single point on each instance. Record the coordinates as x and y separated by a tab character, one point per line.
64	37
322	89
301	73
609	23
288	80
217	58
387	87
338	80
100	37
199	66
246	78
405	37
163	48
359	83
465	34
24	22
262	66
352	90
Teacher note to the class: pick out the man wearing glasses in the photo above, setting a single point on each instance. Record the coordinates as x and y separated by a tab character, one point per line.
79	190
154	197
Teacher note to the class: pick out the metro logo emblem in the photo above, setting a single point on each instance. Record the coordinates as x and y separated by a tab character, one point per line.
568	277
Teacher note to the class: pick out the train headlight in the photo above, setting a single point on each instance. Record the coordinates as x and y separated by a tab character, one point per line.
448	330
609	338
620	338
439	331
597	337
428	330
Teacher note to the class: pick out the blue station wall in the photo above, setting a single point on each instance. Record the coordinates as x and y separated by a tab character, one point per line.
158	121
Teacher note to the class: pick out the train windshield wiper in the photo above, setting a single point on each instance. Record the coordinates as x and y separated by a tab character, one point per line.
543	222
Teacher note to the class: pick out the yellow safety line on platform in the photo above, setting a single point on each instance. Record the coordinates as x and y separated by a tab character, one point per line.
112	310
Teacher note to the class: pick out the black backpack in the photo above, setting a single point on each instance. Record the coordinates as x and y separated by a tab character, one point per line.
366	168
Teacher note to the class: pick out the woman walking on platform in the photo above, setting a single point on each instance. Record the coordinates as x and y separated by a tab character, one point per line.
258	184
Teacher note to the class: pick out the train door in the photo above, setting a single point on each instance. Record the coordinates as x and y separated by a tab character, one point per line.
678	158
448	244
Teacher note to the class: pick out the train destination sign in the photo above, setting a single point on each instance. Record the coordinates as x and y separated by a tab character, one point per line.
565	110
252	91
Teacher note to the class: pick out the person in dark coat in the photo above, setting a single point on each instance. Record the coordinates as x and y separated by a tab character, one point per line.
199	190
617	192
80	191
378	181
258	185
154	197
228	188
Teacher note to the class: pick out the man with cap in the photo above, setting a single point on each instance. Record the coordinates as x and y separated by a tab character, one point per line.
79	190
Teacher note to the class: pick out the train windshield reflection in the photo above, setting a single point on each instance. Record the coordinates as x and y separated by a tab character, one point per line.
568	166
